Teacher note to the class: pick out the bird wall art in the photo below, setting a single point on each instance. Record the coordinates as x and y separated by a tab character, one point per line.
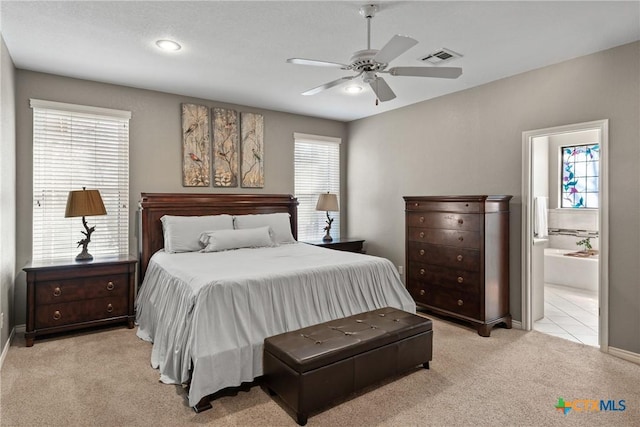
196	146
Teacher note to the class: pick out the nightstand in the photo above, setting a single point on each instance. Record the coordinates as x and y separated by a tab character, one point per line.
69	295
341	244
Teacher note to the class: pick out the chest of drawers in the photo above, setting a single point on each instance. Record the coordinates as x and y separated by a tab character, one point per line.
457	250
63	296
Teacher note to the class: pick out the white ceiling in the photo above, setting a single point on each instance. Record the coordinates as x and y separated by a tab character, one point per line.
235	51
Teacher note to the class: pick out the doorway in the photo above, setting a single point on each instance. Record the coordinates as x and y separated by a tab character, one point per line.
542	163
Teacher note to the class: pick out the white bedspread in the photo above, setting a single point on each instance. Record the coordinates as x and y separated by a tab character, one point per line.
215	309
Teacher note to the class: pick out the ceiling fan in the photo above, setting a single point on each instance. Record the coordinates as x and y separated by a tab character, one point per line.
369	63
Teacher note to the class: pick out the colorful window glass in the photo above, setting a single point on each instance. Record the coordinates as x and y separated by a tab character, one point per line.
580	171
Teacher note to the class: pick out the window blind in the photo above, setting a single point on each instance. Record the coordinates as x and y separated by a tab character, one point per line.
76	146
317	170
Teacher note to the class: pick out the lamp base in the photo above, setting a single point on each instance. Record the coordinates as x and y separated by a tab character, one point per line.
84	256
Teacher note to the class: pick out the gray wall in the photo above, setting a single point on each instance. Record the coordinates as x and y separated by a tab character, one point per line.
470	142
155	146
7	190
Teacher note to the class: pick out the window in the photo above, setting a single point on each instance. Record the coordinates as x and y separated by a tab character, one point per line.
317	170
75	146
580	172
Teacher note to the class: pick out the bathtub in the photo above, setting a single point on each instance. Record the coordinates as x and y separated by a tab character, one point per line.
570	271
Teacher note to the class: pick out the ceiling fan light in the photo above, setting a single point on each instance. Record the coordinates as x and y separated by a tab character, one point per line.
353	89
168	45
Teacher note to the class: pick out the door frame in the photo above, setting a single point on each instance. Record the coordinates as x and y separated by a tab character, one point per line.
603	223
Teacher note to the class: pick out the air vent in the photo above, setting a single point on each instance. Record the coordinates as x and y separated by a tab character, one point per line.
440	56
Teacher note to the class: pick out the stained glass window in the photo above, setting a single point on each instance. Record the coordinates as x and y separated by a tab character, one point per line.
580	171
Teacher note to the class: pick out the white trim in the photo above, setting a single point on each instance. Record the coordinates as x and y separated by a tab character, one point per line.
5	350
624	354
305	137
603	210
81	109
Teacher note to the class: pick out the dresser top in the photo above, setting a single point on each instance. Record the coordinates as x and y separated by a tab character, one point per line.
474	198
70	262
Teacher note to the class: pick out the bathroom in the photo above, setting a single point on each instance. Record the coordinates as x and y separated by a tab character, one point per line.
565	264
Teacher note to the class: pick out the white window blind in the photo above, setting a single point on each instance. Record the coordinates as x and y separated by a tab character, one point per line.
317	170
76	146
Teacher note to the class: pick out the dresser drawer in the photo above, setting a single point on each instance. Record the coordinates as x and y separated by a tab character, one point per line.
57	291
437	206
438	236
60	314
448	278
461	258
458	302
446	220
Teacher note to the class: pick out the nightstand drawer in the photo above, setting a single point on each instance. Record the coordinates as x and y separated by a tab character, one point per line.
102	308
57	291
51	315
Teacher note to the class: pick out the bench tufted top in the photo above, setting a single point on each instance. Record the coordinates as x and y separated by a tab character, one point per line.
320	345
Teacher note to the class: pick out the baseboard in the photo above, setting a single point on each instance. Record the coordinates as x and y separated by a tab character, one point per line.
516	324
21	329
5	350
624	354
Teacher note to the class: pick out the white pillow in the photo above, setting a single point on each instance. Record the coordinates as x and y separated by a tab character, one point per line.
279	223
223	240
182	233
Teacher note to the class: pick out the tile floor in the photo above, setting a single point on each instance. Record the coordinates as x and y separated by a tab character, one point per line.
570	313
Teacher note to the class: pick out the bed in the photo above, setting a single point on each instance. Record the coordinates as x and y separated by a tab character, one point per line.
207	313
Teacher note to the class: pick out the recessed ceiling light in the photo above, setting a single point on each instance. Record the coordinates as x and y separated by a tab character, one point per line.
168	45
353	89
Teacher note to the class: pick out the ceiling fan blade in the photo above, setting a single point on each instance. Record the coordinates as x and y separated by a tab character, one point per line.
382	90
440	72
329	85
394	48
302	61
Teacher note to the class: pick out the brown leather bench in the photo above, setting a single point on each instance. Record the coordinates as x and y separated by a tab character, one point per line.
313	366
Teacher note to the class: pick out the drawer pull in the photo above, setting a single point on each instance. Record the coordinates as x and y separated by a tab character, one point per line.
421	252
422	234
416	204
110	286
460	302
460	221
57	291
422	292
421	219
422	271
460	279
459	257
461	238
56	315
109	308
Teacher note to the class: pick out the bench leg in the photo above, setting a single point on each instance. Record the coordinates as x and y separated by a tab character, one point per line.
425	365
301	419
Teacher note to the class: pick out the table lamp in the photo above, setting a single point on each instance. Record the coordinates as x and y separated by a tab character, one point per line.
327	202
84	203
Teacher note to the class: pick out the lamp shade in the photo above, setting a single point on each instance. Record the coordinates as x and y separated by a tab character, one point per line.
84	203
327	202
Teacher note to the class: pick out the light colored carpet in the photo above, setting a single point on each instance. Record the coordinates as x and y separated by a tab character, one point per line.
103	378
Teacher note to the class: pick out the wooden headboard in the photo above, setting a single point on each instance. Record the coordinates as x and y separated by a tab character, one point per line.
154	205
